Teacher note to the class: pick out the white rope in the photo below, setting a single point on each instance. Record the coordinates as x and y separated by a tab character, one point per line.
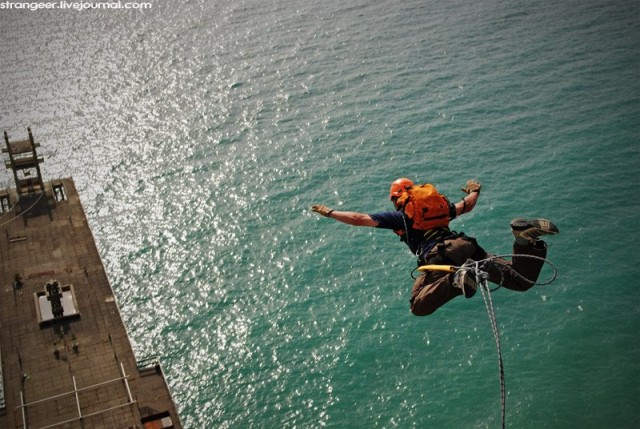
488	302
482	278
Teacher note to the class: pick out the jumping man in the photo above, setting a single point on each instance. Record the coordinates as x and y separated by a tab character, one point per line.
439	245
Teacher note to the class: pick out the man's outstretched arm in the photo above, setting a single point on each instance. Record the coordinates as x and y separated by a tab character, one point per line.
469	201
350	218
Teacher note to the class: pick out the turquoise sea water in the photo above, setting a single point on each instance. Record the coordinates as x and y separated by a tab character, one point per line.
199	133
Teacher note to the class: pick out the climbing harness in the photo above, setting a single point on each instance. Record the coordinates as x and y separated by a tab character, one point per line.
435	239
482	278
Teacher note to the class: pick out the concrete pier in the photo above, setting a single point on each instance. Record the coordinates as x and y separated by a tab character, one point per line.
66	359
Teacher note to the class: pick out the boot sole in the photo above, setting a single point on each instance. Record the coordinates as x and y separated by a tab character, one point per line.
544	225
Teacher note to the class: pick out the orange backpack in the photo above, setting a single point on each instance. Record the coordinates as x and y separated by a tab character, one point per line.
425	206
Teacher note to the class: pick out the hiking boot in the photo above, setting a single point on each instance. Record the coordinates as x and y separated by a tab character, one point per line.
527	231
465	279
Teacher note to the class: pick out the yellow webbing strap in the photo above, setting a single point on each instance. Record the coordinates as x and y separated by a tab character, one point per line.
446	268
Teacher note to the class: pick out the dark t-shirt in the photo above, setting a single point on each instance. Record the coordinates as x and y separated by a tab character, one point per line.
403	226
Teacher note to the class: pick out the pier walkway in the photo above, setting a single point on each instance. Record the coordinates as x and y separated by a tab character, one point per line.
66	360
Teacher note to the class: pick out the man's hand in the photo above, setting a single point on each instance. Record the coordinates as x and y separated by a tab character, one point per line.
472	186
321	210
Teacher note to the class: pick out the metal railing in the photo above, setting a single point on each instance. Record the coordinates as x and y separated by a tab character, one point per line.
124	377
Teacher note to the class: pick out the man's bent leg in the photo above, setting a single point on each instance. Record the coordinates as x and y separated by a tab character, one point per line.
430	292
521	273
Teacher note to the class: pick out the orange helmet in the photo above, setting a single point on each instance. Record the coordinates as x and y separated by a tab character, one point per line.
399	186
